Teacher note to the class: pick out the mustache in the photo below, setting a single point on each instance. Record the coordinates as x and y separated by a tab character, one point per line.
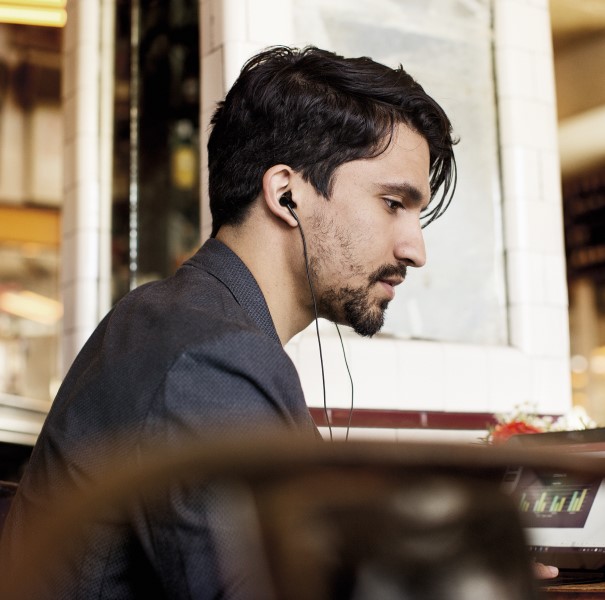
388	271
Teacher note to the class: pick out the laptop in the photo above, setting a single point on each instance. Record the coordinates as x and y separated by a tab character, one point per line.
563	513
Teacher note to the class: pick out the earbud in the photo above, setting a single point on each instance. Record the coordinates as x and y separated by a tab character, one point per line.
286	200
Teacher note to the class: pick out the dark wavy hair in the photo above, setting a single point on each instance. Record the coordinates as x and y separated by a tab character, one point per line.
314	111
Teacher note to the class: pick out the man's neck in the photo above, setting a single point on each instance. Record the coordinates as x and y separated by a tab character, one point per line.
264	249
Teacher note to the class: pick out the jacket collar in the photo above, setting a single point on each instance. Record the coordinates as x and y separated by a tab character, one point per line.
226	266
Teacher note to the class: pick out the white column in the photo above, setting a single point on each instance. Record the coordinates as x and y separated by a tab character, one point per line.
86	185
533	214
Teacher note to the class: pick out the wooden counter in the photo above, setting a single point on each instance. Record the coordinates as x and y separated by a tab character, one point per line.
584	591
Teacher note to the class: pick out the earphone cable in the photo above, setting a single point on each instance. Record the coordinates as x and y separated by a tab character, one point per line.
344	354
321	359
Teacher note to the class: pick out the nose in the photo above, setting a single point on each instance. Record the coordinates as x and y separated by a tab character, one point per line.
410	247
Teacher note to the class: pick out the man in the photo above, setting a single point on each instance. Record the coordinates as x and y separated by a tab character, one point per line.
345	153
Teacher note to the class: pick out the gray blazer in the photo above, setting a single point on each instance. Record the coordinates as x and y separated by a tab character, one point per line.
194	355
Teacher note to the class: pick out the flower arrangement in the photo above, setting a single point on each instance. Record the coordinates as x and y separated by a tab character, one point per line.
523	420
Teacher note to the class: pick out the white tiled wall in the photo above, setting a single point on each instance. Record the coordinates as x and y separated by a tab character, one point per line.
231	32
412	375
532	198
87	200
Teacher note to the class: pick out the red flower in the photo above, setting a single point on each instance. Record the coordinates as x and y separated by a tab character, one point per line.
503	431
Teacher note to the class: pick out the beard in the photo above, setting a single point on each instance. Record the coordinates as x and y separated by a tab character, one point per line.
353	306
348	305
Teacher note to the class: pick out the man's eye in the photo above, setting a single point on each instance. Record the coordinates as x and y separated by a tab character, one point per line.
393	204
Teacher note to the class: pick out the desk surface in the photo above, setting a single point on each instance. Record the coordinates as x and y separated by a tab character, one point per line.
584	591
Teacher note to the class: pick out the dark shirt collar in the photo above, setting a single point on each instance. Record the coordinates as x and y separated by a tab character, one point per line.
221	262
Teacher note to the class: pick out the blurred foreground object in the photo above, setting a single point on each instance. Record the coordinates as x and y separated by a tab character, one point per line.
321	521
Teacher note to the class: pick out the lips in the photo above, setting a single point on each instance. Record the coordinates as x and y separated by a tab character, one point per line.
388	285
392	281
388	277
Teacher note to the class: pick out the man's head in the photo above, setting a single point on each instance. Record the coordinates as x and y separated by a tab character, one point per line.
315	111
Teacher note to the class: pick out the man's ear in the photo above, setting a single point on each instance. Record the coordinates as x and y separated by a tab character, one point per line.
276	182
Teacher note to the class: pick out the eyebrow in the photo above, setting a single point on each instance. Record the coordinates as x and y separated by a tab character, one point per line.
405	190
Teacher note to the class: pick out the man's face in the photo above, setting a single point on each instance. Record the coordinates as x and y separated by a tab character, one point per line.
364	237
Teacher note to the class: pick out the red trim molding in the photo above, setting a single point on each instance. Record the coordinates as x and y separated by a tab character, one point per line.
403	419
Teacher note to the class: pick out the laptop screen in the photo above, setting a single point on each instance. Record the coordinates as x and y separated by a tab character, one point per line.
563	512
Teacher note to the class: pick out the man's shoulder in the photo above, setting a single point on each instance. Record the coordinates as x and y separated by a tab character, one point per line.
192	305
185	304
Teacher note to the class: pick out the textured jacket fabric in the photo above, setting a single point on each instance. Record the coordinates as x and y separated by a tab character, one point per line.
195	355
